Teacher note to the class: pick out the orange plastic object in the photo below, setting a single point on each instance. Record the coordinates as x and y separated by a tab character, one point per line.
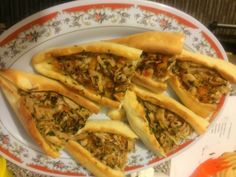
210	167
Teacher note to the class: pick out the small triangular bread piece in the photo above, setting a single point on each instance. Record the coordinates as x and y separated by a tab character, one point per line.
100	71
102	147
200	81
117	114
160	121
49	111
159	49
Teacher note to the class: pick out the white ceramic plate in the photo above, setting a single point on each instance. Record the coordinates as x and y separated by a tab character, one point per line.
80	22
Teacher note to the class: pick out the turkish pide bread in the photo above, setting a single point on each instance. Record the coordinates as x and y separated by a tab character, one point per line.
154	41
49	112
159	49
200	81
100	71
160	121
102	147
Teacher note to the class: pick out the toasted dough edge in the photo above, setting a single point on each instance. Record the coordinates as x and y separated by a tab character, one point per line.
154	42
155	86
170	43
48	71
138	122
226	69
129	53
117	114
109	126
10	92
41	63
29	81
85	158
202	109
198	123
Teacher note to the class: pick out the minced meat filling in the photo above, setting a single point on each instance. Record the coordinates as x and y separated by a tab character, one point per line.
55	115
110	149
168	128
105	74
155	66
205	84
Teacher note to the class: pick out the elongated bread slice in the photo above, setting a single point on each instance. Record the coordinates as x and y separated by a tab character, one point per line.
100	71
160	121
102	147
201	81
49	111
154	41
159	49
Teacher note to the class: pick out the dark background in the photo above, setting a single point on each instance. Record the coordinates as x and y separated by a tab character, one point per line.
206	11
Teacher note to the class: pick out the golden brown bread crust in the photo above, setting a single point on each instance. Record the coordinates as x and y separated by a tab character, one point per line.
30	126
41	63
10	91
109	126
30	81
137	119
47	70
154	42
167	43
131	54
198	123
138	122
202	109
154	86
91	163
12	80
227	70
117	114
85	158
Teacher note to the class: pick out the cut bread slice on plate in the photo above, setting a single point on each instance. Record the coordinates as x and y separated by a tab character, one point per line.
102	147
200	81
160	121
100	71
159	49
49	111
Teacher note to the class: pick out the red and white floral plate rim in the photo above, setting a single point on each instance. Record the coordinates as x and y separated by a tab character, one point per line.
79	22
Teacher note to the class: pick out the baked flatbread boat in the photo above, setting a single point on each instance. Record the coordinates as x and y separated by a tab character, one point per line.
100	71
200	81
49	111
160	121
159	49
102	147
